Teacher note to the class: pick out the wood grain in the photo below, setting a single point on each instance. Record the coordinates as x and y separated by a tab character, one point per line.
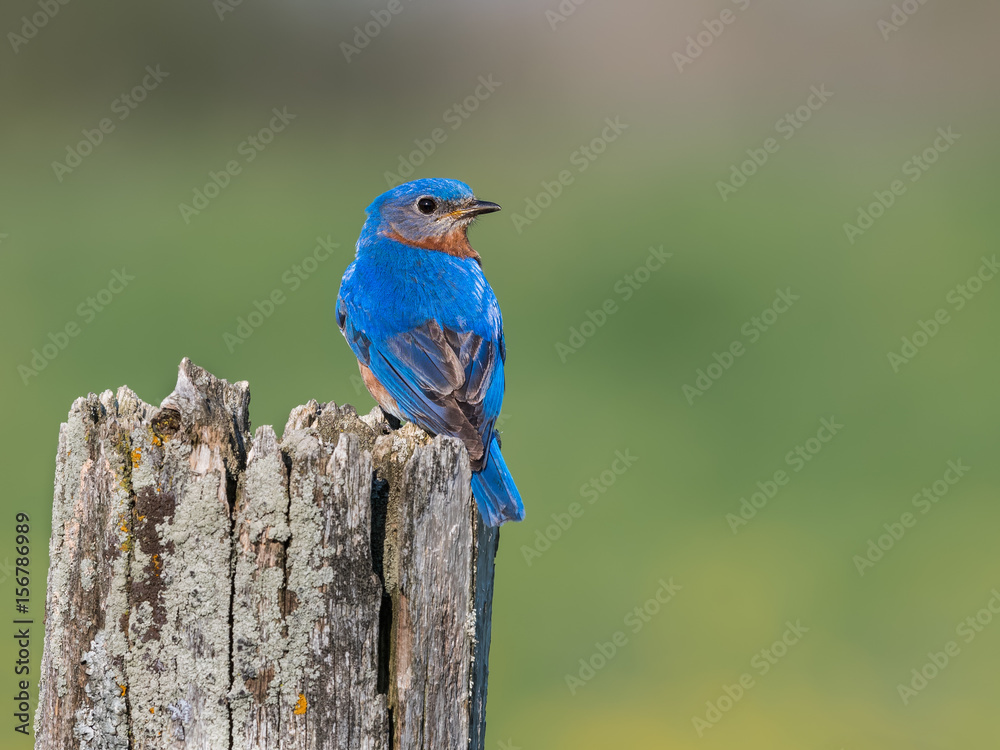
212	589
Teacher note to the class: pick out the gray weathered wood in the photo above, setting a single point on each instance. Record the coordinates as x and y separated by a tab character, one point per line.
209	589
189	458
82	702
432	618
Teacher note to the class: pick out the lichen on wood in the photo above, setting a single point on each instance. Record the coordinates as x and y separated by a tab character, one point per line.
213	589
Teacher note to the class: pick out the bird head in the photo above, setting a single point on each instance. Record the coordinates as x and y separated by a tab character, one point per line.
433	214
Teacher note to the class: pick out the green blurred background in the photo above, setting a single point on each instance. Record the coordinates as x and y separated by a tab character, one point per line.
560	76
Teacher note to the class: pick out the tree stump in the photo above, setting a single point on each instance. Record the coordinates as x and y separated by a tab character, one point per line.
209	589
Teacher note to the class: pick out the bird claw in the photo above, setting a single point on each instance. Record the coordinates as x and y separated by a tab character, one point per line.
392	421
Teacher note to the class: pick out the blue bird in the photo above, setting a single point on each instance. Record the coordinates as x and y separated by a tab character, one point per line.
426	328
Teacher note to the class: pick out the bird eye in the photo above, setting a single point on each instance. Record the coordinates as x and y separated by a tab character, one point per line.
427	205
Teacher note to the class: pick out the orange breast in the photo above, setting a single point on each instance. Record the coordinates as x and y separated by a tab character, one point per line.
379	393
454	243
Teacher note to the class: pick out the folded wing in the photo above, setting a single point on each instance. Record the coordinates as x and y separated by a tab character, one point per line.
449	382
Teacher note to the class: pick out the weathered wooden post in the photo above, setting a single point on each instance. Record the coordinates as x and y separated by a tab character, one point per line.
209	589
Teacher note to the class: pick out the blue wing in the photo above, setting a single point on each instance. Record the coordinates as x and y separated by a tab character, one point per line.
446	380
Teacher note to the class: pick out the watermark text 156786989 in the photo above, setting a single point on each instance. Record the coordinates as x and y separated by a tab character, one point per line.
22	625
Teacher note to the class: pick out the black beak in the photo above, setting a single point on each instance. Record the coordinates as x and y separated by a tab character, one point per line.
479	207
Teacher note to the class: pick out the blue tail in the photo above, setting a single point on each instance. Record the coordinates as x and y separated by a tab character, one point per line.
494	490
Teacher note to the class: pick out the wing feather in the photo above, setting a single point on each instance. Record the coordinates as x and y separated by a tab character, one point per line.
441	378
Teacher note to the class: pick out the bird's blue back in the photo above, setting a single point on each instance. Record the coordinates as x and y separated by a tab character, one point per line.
395	287
392	288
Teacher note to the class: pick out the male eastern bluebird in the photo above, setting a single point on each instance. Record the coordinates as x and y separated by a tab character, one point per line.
426	327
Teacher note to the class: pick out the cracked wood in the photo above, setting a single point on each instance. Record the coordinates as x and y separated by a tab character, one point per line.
211	589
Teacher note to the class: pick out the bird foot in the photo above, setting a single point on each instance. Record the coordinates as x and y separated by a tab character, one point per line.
394	423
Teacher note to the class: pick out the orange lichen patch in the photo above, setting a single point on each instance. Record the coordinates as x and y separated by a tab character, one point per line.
136	457
124	688
300	705
156	439
127	543
156	564
152	710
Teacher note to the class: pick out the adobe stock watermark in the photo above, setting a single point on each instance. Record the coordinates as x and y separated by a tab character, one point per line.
87	311
624	289
561	12
705	38
292	280
901	13
454	117
580	159
364	34
761	663
938	661
957	297
923	501
796	459
915	167
31	25
787	126
224	7
592	490
123	106
6	570
634	621
752	330
249	149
